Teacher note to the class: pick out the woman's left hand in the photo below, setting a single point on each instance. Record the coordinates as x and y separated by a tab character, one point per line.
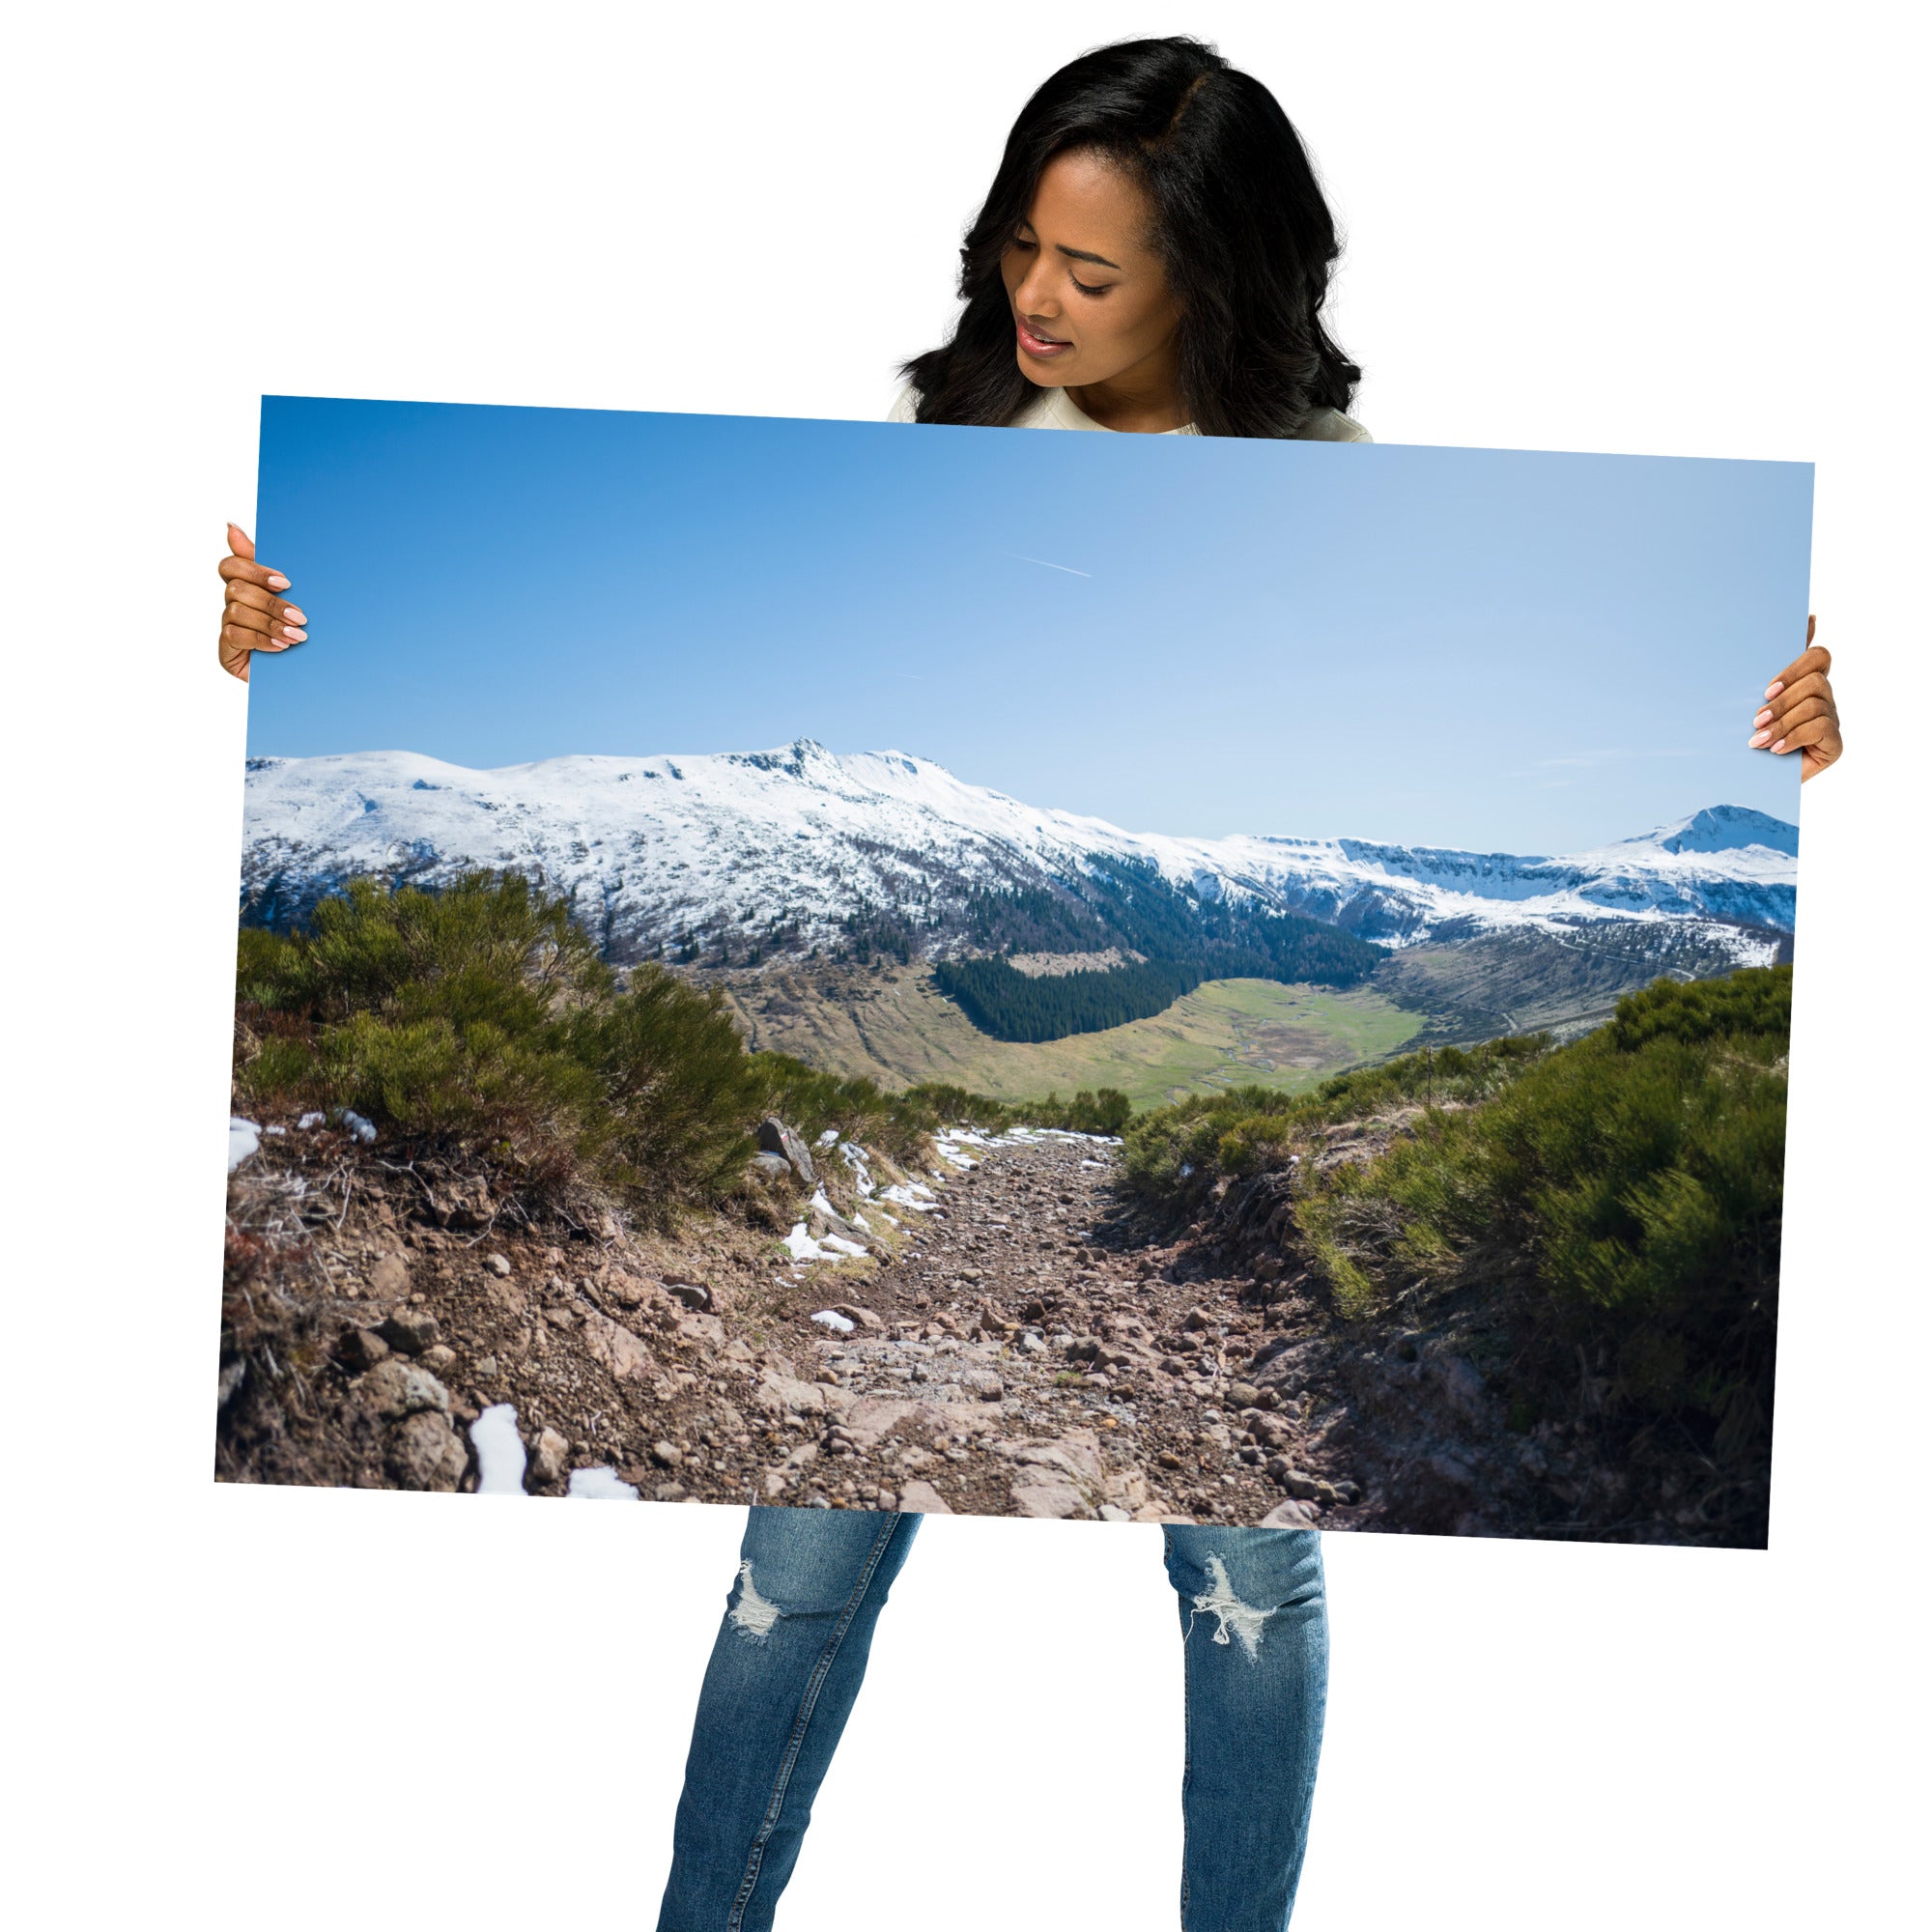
1799	714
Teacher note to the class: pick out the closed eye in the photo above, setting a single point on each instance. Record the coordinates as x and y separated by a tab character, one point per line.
1085	288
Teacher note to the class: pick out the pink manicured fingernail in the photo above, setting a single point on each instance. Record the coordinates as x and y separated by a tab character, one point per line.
294	616
282	584
1779	746
294	635
1771	690
1762	738
1762	717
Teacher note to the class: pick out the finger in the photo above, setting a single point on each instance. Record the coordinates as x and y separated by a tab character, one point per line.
256	611
239	617
234	663
241	542
234	638
239	570
1819	732
1817	685
1810	629
1799	714
1820	757
1817	659
280	611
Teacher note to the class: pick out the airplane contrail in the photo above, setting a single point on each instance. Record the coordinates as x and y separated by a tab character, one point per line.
1045	566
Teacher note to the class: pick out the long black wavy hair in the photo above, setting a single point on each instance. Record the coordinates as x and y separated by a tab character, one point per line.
1243	233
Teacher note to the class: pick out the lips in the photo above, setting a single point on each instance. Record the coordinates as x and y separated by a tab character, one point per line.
1044	347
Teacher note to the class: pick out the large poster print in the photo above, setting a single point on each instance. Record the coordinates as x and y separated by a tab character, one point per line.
1074	976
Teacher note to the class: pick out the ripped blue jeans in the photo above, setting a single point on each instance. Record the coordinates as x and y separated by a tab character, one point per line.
791	1651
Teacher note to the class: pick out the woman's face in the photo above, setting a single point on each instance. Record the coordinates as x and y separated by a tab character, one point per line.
1091	300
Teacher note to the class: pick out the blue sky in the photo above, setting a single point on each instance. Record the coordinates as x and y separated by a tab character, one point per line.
1496	649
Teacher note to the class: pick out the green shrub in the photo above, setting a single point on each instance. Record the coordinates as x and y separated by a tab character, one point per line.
1174	1156
680	1093
480	1014
1623	1193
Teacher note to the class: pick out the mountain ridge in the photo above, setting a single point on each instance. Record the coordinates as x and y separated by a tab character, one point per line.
798	846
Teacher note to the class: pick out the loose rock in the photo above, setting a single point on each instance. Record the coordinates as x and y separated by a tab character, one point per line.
410	1331
396	1388
919	1498
425	1453
359	1349
775	1137
549	1460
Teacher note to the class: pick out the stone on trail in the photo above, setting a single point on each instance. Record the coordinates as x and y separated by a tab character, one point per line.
396	1388
768	1168
1289	1516
389	1278
425	1453
983	1383
410	1331
1055	1502
359	1349
775	1137
550	1457
497	1264
860	1317
617	1350
919	1498
779	1393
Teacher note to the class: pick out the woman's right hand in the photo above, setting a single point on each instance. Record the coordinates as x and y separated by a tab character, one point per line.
253	617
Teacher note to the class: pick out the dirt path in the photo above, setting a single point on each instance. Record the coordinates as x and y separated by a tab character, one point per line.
1011	1341
1031	1352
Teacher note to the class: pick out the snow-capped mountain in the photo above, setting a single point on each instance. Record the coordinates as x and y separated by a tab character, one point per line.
660	847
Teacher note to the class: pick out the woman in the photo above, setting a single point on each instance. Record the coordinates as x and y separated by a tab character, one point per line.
1153	257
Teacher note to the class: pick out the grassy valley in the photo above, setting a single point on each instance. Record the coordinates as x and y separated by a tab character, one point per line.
892	1024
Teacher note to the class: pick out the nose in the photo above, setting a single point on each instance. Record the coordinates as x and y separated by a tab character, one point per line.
1035	297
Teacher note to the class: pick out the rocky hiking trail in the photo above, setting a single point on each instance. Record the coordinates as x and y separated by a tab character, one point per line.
998	1333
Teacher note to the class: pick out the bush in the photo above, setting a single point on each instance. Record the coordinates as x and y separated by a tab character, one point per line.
481	1015
1623	1193
1174	1156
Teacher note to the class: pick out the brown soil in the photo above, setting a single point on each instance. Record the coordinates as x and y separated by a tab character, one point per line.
1027	1346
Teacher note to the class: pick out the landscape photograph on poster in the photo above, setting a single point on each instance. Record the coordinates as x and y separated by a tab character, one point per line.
1110	978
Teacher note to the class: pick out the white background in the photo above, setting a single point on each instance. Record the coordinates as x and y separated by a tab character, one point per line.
1678	229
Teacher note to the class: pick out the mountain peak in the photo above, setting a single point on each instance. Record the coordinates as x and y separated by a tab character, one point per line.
1723	827
791	846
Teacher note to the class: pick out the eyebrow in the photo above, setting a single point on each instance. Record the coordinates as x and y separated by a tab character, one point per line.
1079	254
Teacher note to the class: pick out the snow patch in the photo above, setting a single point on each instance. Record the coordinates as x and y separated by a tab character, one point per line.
602	1485
243	1138
501	1457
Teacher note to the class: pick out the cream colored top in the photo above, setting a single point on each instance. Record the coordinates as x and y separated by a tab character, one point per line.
1055	409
